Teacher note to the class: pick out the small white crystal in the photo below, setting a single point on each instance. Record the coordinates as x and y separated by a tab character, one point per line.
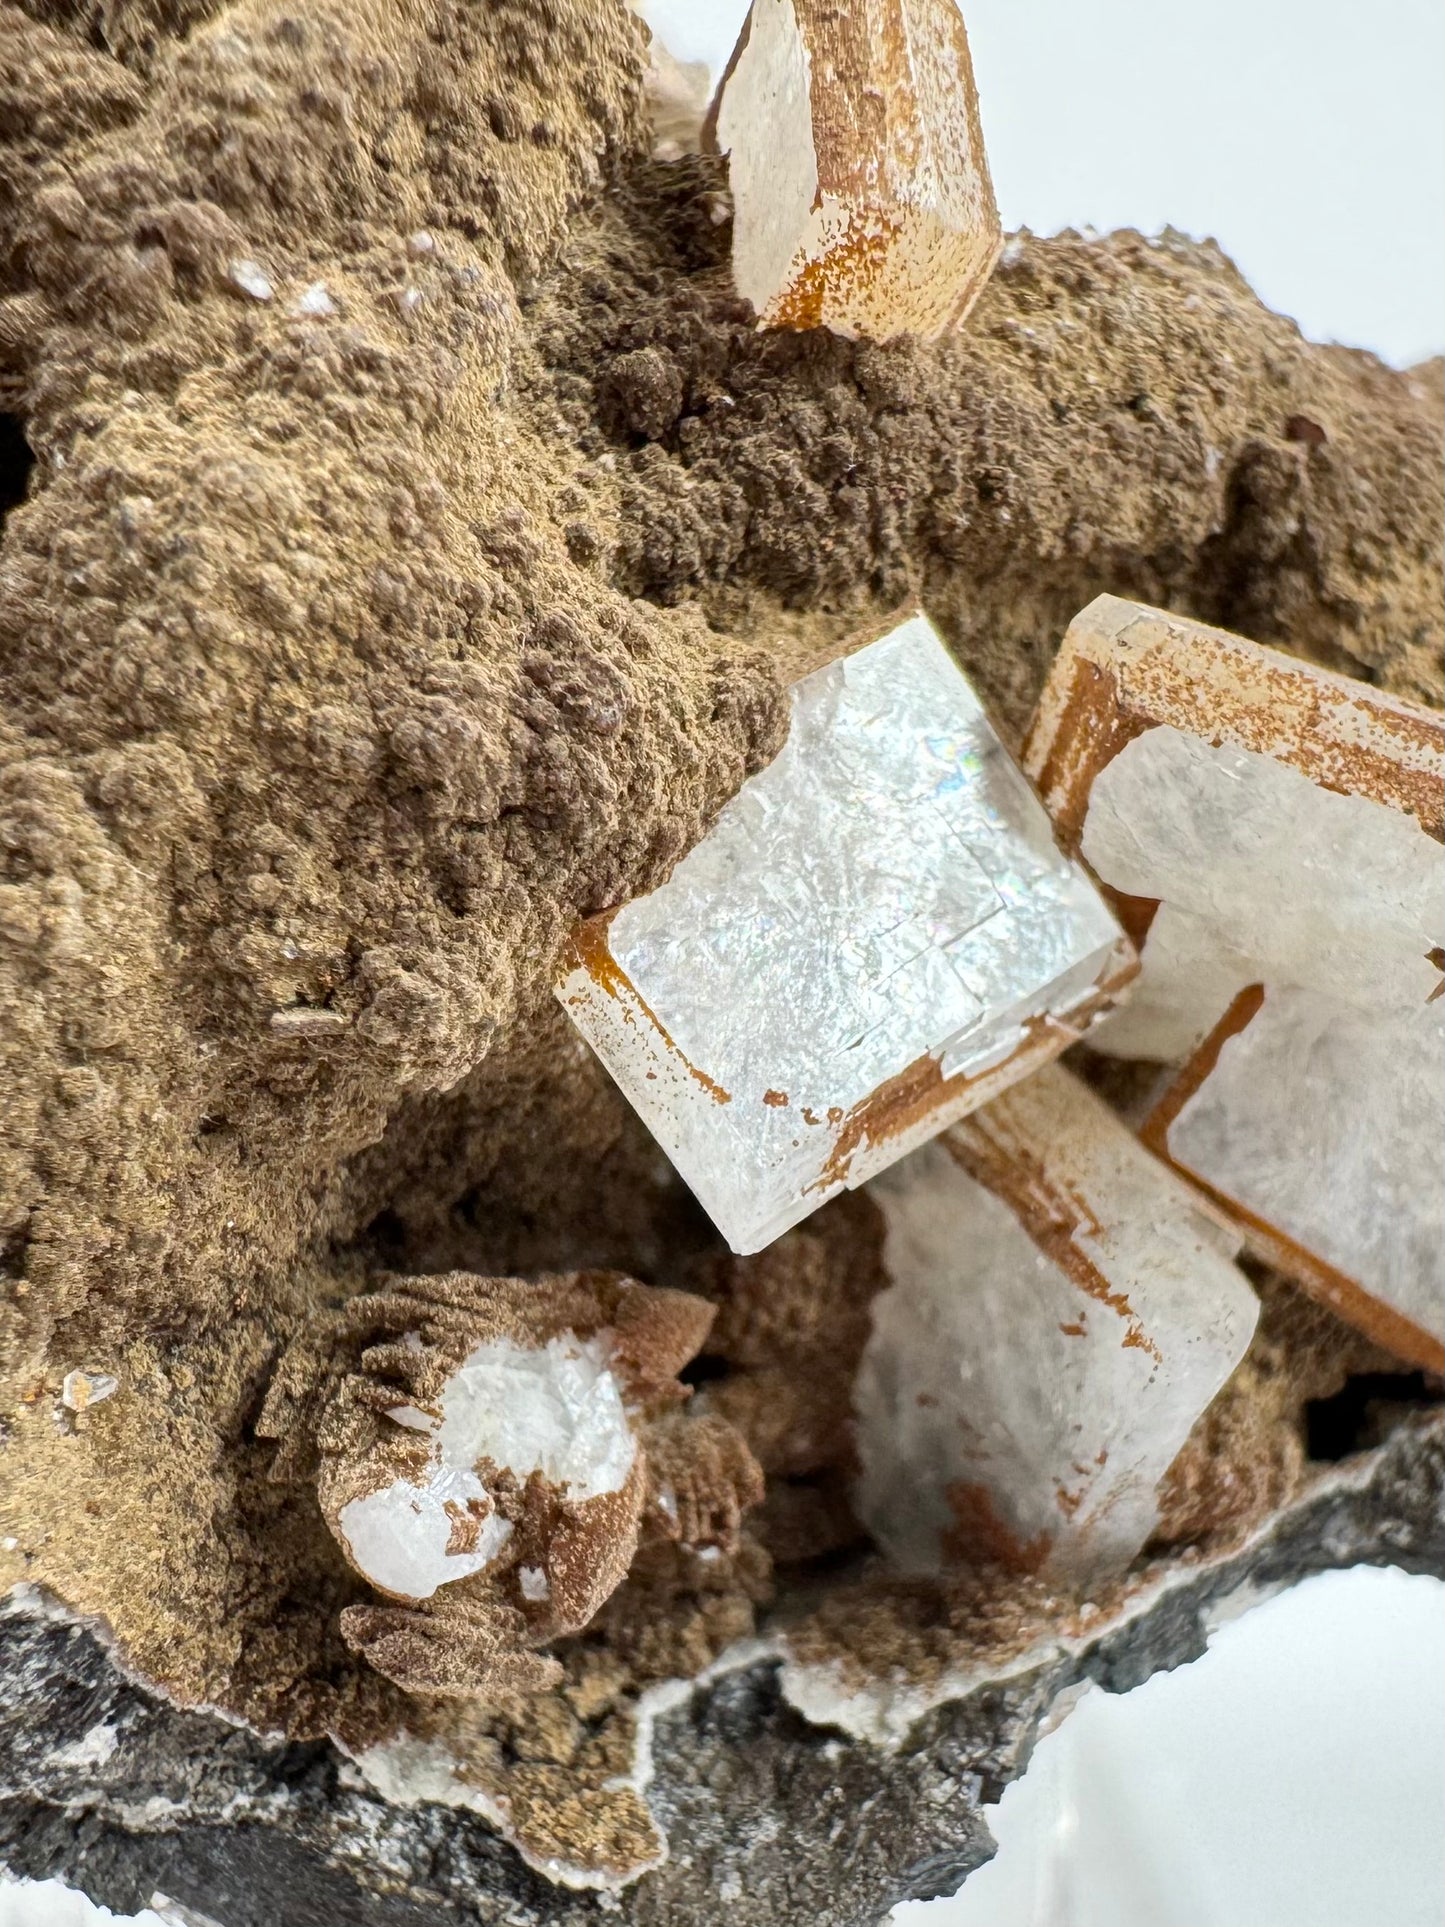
533	1582
412	1418
878	934
315	300
556	1409
251	278
1060	1312
861	192
80	1390
1324	1122
420	243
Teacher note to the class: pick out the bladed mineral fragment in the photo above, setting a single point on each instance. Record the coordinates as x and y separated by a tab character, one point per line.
488	1453
877	936
1061	1310
861	192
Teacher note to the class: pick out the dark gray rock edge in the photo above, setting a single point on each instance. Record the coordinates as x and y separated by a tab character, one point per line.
772	1822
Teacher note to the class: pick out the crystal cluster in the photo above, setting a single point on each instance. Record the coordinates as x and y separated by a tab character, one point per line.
1271	834
489	1452
878	935
861	192
1059	1313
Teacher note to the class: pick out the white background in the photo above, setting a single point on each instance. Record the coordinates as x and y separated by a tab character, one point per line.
1296	1776
1306	136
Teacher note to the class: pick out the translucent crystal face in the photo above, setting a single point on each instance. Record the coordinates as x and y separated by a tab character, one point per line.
399	1537
1280	828
878	924
860	189
556	1409
1060	1313
1326	1121
1262	876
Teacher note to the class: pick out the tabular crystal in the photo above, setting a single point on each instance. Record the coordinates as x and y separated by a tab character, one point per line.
1060	1312
1273	833
861	193
1319	1125
877	936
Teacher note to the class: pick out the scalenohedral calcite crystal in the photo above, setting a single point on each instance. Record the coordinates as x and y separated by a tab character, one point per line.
878	934
861	193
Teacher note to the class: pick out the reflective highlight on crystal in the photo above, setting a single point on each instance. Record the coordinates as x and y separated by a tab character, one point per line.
877	936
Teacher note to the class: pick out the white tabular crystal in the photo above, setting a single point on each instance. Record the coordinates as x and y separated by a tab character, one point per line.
1060	1312
878	935
1279	828
1262	876
1325	1122
861	193
555	1409
398	1536
1273	823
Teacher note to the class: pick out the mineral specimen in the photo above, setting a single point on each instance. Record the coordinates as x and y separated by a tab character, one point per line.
1319	1125
1061	1310
1273	833
554	1409
349	659
480	1447
877	936
861	192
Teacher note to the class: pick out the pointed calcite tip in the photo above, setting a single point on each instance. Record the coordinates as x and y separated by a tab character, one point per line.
861	192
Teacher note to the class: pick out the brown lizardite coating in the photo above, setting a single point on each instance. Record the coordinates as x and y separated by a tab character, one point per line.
330	1400
702	1479
1247	1452
791	1326
139	33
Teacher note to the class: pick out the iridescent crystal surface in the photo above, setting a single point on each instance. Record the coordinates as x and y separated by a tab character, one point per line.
1061	1310
877	935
